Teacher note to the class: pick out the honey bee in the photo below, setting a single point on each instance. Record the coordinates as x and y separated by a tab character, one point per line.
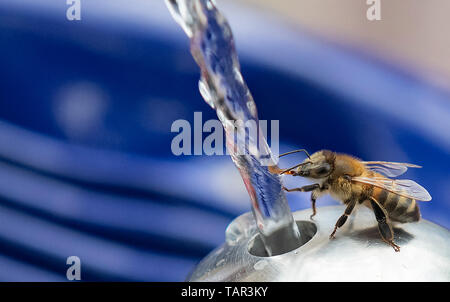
353	181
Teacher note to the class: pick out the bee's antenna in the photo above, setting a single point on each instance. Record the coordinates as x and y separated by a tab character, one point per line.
295	151
287	170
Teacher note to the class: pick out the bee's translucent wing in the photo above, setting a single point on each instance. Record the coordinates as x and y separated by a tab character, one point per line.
390	169
403	187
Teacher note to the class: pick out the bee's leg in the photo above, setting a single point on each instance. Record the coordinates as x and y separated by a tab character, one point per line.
307	188
314	195
313	203
348	210
383	226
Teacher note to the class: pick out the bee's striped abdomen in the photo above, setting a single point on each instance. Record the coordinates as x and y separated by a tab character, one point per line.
399	208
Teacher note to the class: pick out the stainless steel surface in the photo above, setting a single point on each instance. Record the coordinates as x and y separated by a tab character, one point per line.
357	253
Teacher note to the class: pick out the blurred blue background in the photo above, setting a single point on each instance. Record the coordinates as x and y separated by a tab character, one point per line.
86	108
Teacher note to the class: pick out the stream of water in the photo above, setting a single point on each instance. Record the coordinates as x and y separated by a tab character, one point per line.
224	89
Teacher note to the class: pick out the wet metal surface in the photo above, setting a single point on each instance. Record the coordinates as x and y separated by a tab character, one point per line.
356	254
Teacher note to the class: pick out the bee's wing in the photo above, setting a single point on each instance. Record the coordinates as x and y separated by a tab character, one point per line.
403	187
390	169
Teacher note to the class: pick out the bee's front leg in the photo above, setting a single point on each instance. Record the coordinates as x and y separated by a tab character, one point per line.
315	188
314	195
313	204
316	191
307	188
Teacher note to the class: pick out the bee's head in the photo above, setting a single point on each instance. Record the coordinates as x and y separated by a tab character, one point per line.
319	165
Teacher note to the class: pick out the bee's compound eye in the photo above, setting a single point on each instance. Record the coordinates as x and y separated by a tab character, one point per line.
323	169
